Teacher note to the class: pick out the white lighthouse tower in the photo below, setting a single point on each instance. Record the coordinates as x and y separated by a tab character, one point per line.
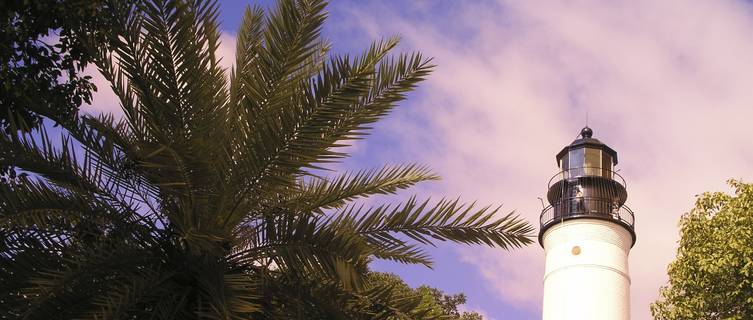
587	233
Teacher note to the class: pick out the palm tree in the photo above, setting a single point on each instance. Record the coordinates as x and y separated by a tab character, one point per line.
206	200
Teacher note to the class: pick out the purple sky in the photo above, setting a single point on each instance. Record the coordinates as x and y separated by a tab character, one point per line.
668	84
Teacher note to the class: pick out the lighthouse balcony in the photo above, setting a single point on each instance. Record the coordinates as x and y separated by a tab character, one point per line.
591	182
587	207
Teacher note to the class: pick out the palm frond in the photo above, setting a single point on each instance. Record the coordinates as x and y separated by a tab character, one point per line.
87	173
321	194
60	288
121	297
332	114
445	221
301	244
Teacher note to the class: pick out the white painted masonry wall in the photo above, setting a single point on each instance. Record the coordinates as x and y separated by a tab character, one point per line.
586	275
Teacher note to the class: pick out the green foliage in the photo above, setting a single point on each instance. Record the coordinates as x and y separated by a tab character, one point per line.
43	50
384	296
712	277
433	302
202	201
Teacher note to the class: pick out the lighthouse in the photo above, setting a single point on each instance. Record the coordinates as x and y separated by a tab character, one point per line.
587	232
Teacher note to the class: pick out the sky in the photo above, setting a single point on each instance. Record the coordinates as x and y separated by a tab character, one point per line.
667	84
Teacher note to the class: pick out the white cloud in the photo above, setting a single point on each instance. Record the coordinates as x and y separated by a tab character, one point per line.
104	100
226	51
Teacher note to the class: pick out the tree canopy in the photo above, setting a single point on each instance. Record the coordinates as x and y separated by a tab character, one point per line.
44	48
210	198
712	276
433	301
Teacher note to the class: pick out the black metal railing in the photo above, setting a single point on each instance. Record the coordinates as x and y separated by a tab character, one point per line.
583	207
587	192
573	173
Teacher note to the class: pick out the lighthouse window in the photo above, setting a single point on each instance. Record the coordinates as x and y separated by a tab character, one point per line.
565	163
606	163
576	162
593	162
